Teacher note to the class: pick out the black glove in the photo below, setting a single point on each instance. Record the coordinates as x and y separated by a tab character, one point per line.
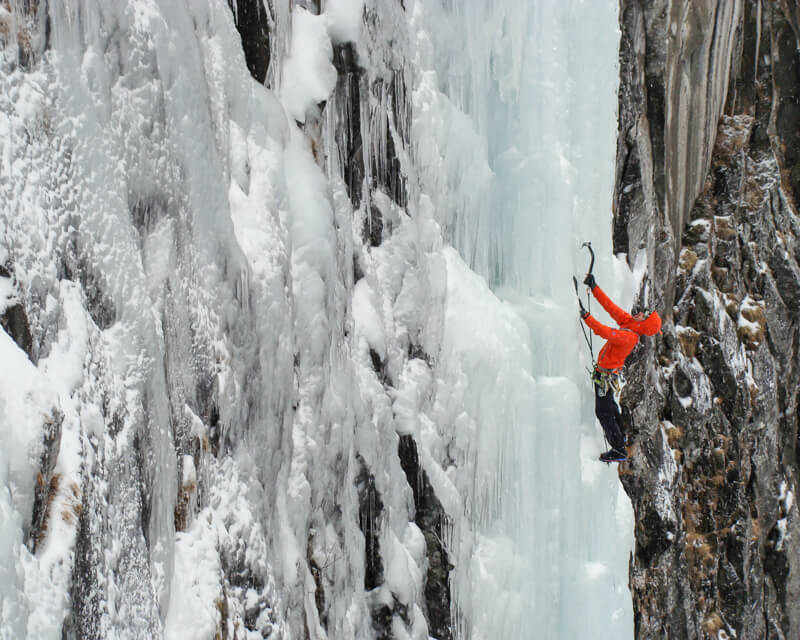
584	312
589	281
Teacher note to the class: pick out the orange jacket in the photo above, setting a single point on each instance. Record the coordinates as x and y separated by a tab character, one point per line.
620	341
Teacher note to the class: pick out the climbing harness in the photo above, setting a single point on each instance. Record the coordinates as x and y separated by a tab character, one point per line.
607	379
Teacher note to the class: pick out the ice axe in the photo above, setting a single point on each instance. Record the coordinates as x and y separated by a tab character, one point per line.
588	338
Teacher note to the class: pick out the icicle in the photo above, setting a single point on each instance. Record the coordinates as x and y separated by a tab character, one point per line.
512	167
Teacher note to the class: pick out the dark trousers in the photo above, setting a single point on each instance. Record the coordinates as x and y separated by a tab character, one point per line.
608	413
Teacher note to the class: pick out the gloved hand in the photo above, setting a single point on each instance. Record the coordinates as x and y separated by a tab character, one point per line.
589	281
584	312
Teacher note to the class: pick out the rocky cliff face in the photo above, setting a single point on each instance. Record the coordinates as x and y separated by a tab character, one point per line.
707	189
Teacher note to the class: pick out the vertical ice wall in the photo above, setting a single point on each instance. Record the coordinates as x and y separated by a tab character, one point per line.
148	263
249	360
210	426
515	129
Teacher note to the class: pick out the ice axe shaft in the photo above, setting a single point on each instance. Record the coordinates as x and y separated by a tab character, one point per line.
586	337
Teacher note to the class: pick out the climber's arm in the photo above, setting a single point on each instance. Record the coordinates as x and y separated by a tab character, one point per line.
619	336
620	315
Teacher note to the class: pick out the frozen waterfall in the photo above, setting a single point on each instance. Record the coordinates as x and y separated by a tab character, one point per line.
529	90
259	329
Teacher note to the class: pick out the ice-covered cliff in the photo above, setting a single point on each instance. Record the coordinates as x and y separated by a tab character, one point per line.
254	381
706	192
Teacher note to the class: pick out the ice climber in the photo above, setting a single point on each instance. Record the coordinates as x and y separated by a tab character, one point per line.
611	359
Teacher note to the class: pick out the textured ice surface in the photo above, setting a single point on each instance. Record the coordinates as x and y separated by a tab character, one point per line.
514	123
228	380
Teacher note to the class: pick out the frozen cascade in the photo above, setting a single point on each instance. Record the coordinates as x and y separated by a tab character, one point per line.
237	348
530	94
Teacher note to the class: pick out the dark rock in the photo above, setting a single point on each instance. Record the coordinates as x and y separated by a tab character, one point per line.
147	211
84	622
346	101
46	481
430	518
370	509
786	70
253	24
240	583
78	266
370	513
377	364
417	352
386	171
722	377
208	411
15	322
787	279
345	59
382	622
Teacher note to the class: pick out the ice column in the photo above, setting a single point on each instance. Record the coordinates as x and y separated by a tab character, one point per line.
526	92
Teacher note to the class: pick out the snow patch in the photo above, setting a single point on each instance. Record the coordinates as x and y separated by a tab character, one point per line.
413	392
366	319
344	20
308	73
196	600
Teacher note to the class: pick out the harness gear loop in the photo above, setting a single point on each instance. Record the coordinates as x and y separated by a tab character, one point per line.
606	379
